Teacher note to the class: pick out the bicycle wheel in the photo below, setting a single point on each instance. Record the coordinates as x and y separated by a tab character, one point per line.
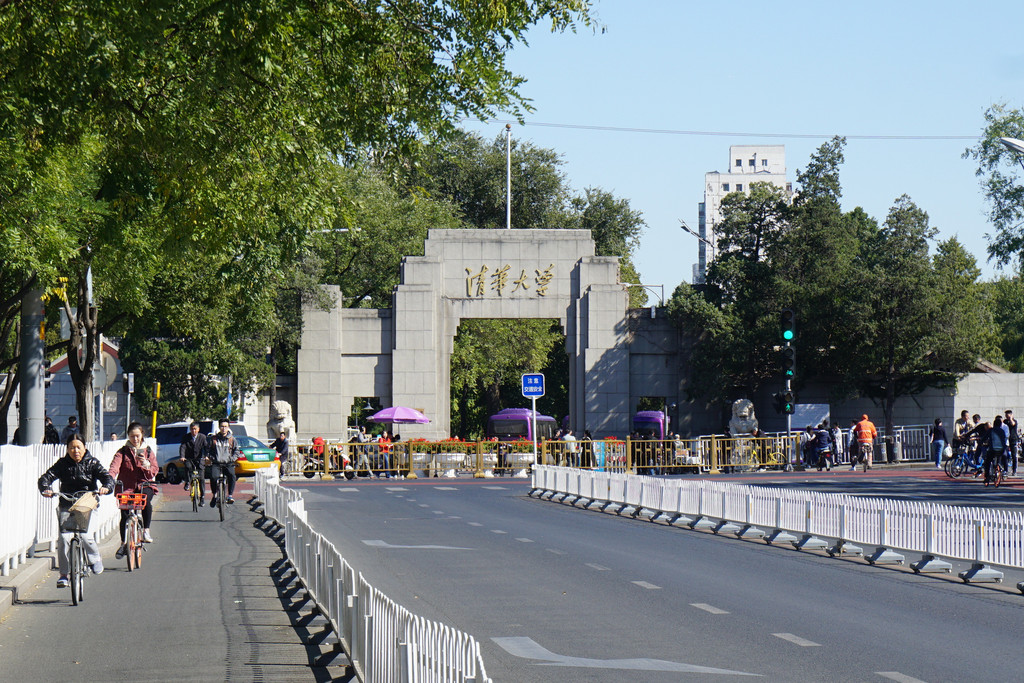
76	569
194	490
132	541
222	493
138	555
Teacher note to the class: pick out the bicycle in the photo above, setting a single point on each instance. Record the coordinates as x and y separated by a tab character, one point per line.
194	490
865	451
961	463
221	490
77	522
133	531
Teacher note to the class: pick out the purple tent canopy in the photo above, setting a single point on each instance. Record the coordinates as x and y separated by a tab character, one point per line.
399	415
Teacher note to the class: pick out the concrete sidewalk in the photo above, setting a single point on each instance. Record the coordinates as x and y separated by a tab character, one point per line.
212	602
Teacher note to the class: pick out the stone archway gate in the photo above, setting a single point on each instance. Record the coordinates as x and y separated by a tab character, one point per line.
403	354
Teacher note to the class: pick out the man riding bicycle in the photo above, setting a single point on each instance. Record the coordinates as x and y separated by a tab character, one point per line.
191	451
866	434
221	453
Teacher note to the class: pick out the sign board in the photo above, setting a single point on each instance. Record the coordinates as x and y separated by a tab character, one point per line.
812	414
533	385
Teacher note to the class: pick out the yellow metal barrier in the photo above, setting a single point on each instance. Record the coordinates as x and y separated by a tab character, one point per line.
451	458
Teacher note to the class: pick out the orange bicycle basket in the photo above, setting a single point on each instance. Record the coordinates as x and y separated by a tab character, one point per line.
131	501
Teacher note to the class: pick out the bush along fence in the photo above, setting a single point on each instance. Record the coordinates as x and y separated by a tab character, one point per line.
27	520
384	641
835	523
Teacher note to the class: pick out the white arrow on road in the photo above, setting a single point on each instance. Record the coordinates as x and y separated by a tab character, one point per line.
528	649
385	544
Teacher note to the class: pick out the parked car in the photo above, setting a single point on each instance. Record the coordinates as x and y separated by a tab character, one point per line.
168	441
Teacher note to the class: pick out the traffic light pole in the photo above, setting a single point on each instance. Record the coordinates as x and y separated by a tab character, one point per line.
789	427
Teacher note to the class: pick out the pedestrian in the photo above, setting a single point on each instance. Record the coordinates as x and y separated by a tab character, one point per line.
384	455
50	433
938	437
135	466
1013	445
571	448
70	429
77	471
807	451
961	427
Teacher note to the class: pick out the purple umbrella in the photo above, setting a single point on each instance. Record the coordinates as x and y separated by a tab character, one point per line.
399	415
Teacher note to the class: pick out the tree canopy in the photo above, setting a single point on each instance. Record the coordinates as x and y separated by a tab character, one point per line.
178	134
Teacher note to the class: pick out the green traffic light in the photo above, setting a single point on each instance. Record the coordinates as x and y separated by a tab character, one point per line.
788	335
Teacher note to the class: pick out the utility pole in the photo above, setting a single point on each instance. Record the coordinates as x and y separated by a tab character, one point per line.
32	394
508	176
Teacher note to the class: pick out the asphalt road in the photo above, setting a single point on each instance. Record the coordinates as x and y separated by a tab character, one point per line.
555	593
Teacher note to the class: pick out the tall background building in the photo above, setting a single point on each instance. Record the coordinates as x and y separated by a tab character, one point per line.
747	164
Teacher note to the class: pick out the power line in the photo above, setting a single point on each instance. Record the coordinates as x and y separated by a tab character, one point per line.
709	133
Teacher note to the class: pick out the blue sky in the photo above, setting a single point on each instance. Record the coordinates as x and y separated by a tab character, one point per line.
871	69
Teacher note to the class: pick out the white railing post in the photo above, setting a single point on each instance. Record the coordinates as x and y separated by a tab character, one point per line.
980	571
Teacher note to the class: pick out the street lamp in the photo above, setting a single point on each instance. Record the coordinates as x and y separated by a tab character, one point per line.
1016	146
658	290
687	228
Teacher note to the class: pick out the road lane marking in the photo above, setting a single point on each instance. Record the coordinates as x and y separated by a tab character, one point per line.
525	540
385	544
648	586
797	640
708	608
424	505
446	488
396	488
897	676
438	512
496	488
527	648
475	524
598	567
556	551
498	531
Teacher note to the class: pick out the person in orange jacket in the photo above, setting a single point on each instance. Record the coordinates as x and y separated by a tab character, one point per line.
866	435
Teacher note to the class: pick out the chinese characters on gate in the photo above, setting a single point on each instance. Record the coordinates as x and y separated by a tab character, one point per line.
500	281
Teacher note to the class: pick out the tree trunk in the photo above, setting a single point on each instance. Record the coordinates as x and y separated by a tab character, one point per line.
82	349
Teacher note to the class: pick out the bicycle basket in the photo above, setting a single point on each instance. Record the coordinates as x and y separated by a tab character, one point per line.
75	520
131	501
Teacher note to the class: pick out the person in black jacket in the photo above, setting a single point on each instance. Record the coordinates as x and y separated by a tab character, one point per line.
78	471
191	452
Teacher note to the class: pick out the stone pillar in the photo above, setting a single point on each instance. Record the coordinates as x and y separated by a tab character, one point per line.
320	410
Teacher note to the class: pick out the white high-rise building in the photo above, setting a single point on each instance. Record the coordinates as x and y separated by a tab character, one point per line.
747	164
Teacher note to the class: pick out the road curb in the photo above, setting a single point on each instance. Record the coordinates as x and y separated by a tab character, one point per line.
27	574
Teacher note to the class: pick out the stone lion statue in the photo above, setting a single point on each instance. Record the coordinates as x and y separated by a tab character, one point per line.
280	420
743	422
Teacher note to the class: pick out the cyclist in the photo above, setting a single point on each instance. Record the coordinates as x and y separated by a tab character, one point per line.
135	466
866	435
221	453
193	446
77	471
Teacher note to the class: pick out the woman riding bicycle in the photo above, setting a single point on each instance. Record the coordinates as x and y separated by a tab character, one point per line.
78	471
135	466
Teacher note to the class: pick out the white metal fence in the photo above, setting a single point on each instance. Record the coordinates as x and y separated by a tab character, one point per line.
26	518
385	641
981	535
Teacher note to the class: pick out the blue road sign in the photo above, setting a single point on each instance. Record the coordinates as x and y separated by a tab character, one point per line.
533	385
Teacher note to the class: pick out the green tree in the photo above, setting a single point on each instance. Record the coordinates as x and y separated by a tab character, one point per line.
215	121
1000	171
894	342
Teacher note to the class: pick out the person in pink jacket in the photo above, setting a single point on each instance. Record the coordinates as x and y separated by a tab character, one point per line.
135	466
